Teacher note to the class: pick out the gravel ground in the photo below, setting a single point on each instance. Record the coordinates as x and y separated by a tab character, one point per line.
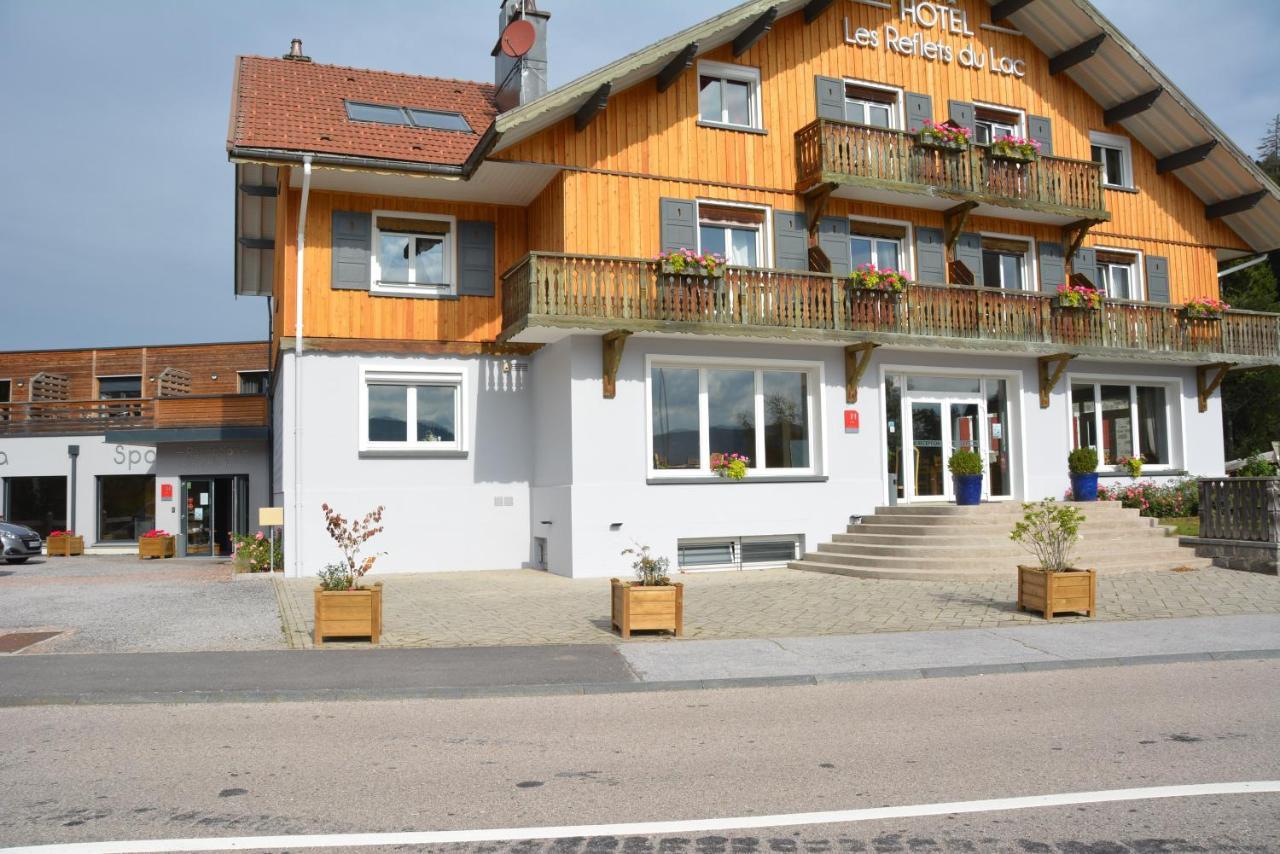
122	604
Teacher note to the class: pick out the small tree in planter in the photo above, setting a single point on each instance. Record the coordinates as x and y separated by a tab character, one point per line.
966	473
344	608
652	601
1050	531
1083	465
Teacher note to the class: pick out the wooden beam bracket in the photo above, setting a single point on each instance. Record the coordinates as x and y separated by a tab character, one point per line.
1133	106
1073	236
1208	378
856	359
754	31
679	64
611	345
1074	56
1189	157
1051	369
815	202
1239	204
1005	8
591	107
954	221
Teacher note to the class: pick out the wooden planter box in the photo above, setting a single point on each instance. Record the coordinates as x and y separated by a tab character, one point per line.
161	547
1059	305
1013	157
65	546
348	613
638	607
941	145
1054	592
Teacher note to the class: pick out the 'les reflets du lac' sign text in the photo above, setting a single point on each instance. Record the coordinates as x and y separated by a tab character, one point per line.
949	20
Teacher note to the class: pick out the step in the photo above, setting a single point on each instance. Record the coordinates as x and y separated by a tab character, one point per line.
857	536
1000	508
983	563
980	550
953	528
1001	574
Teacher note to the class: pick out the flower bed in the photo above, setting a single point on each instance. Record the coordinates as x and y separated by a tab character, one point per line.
1178	499
252	552
1079	296
869	277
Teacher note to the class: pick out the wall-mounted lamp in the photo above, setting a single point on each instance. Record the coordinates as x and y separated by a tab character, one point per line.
213	376
545	522
615	526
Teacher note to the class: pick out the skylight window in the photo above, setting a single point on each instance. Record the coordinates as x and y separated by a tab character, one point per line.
407	116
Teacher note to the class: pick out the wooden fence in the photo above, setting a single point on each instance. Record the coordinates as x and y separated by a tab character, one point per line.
1240	508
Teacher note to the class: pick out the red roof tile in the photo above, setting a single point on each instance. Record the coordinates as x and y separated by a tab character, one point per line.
298	106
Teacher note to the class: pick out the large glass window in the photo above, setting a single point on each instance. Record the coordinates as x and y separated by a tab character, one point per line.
731	232
1122	420
126	507
878	244
869	105
1004	263
40	503
729	95
414	412
700	412
992	124
1117	275
413	254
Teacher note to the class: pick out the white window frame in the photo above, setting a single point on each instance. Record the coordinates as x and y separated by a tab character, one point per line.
735	544
413	379
897	115
739	74
1138	279
1030	270
1019	129
764	236
906	244
817	416
1172	403
1121	144
450	287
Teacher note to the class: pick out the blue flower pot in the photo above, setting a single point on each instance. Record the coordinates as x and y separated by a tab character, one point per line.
1084	487
968	489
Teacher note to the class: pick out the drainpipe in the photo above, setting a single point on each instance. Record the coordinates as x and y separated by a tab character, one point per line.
297	367
73	451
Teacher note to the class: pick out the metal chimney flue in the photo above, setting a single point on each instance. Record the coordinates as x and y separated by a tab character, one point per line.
520	56
295	52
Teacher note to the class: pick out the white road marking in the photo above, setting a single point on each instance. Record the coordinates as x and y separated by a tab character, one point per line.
649	828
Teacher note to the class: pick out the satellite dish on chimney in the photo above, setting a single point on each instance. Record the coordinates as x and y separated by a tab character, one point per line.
518	38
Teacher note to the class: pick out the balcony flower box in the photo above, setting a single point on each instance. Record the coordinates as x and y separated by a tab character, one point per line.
159	544
1078	297
1204	308
356	612
64	544
943	137
1056	591
1015	149
869	277
687	263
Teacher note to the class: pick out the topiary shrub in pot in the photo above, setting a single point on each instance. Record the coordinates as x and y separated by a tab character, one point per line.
1083	465
1050	531
966	475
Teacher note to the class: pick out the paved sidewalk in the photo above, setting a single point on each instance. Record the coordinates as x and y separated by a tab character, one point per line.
522	607
598	668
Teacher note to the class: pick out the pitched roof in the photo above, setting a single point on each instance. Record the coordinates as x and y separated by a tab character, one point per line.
298	106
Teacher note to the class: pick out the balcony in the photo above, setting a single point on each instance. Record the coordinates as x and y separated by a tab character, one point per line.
892	167
197	411
547	296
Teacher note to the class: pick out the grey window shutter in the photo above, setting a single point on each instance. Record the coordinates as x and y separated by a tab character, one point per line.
679	224
1040	129
963	113
969	250
1085	263
352	243
931	256
791	239
830	98
1053	268
475	258
1157	278
919	108
833	240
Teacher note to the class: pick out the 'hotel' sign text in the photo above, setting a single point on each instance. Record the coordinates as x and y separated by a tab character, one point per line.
947	20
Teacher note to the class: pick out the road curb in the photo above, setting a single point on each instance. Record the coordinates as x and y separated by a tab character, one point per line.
598	688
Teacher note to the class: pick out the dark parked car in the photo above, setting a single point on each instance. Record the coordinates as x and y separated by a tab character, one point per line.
18	542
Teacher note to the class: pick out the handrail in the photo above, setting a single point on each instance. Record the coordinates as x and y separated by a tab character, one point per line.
94	415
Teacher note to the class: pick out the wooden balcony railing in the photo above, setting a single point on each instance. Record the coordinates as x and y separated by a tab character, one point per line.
97	416
568	291
844	153
1240	508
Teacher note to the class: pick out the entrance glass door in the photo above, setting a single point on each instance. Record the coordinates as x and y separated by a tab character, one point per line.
197	497
925	429
215	508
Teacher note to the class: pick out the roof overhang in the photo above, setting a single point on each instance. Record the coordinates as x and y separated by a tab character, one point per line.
257	187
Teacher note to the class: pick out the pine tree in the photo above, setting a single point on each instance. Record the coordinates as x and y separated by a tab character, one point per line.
1269	150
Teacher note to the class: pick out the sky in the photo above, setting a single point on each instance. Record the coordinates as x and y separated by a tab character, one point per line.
116	206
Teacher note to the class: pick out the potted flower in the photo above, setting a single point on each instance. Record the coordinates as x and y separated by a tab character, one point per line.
1018	149
966	475
1083	465
1050	531
650	602
1204	308
64	543
945	136
157	543
730	466
686	262
869	277
254	553
1078	296
343	608
1133	465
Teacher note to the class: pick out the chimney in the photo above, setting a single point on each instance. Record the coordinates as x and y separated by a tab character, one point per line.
295	52
524	78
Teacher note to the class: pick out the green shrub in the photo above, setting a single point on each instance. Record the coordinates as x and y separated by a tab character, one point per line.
1082	461
1172	500
965	462
1049	531
1256	466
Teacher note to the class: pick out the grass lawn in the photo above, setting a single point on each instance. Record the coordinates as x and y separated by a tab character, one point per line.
1188	526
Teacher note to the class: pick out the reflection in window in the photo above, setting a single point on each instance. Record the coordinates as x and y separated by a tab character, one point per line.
1130	420
731	410
387	407
436	413
413	414
786	419
1153	426
126	507
1083	424
675	418
1117	424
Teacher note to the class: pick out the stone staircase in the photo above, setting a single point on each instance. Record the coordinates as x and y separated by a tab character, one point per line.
943	542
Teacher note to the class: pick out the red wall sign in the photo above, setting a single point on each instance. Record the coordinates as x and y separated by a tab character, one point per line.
851	419
166	492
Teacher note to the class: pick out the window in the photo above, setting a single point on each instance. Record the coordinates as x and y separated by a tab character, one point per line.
1118	275
126	507
766	414
254	382
1116	157
871	105
1004	263
415	254
410	411
1122	420
733	232
991	124
879	244
738	552
729	95
385	114
4	398
119	388
39	503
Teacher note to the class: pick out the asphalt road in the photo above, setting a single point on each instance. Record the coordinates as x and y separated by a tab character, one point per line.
97	773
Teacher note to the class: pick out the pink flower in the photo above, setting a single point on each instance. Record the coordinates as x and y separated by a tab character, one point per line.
260	536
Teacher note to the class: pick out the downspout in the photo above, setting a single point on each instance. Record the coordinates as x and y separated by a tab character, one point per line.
297	366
